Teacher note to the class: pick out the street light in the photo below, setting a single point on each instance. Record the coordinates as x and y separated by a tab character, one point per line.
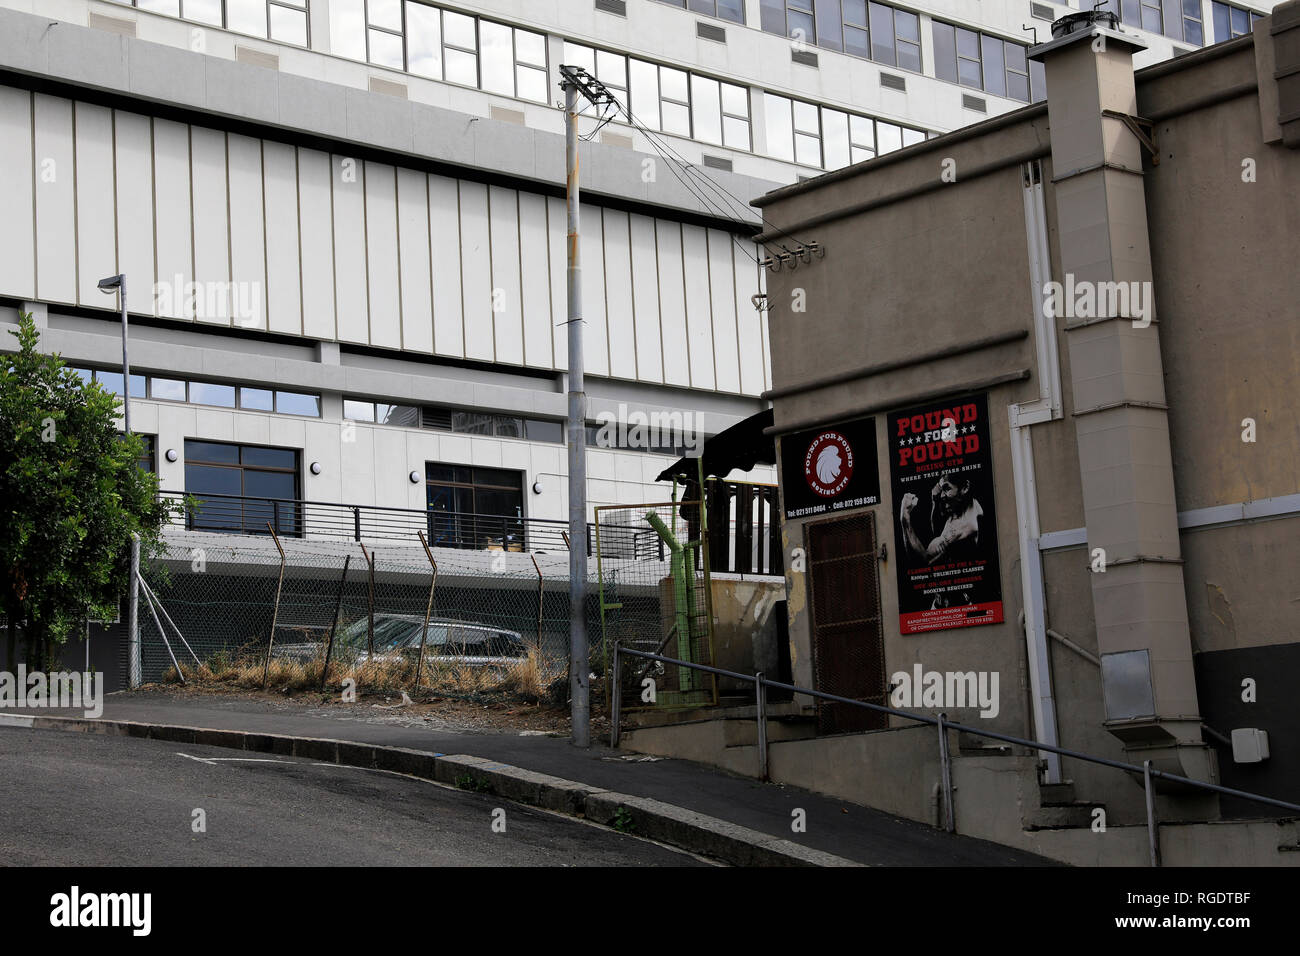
108	286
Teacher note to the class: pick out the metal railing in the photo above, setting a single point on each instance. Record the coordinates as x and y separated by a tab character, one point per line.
297	518
761	684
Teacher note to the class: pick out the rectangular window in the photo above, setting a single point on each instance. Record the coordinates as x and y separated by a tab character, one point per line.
242	488
459	49
296	403
983	62
674	101
496	58
1231	21
206	393
423	40
471	507
882	33
733	10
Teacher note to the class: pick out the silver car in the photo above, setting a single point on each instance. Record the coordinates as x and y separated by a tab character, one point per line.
397	637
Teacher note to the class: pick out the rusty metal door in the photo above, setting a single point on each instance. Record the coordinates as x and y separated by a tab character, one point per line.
848	654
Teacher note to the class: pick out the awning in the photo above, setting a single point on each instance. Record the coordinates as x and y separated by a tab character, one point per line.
740	447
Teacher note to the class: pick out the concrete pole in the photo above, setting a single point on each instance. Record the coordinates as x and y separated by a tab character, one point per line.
133	618
126	361
579	685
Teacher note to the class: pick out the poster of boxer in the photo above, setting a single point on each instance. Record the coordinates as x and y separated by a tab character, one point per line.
945	534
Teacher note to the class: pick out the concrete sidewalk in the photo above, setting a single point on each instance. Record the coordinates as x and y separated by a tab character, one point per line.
845	830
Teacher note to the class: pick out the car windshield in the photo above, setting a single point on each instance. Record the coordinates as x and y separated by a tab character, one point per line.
390	632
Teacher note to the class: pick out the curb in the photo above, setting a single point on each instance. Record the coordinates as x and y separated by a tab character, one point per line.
637	816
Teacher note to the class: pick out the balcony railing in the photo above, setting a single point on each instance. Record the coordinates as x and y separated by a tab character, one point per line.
294	518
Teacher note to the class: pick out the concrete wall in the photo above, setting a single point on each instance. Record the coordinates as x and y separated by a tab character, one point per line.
947	265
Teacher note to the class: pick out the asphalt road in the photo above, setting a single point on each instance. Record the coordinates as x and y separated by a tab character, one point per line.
71	799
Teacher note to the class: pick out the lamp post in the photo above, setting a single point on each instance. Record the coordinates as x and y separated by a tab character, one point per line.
108	286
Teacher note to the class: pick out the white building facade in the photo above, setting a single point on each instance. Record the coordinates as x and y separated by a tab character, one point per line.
342	222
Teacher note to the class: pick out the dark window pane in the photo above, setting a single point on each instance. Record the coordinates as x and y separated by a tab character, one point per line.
496	476
855	42
968	73
1192	32
211	451
968	43
269	484
434	472
994	81
909	56
945	52
882	34
1131	12
403	416
1240	22
1016	59
269	457
855	13
205	393
1018	87
1037	81
828	24
733	10
771	16
1151	18
210	480
1222	29
508	427
494	502
907	26
544	431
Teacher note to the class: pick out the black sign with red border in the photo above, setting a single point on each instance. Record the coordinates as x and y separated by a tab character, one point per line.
830	469
945	534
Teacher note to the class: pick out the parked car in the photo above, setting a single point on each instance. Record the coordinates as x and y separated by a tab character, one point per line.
397	637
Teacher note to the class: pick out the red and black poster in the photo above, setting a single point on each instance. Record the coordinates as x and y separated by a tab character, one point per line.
941	476
830	469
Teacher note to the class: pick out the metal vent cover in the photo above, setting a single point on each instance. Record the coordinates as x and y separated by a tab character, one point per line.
892	81
439	418
718	162
1042	11
616	7
977	103
710	31
806	57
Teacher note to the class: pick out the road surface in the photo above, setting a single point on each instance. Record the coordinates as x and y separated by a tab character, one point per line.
71	799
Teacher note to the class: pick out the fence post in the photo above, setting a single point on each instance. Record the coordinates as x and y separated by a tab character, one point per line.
615	700
134	677
541	584
338	606
356	524
370	603
760	714
945	763
428	608
1153	826
275	612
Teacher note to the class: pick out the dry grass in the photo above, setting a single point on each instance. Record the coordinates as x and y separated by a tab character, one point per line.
535	677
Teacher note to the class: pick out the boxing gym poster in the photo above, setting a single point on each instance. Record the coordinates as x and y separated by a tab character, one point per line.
945	534
830	469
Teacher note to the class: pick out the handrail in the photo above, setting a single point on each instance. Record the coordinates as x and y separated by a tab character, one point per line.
1146	769
295	517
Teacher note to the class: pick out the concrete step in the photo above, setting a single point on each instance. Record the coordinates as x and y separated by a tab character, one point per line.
1056	793
738	732
1062	816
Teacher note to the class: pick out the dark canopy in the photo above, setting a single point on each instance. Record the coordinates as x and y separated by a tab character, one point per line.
742	446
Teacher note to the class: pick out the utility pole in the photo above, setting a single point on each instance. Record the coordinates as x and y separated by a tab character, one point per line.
575	81
108	286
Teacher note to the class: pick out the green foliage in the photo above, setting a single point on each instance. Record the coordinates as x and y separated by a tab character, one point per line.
72	495
623	821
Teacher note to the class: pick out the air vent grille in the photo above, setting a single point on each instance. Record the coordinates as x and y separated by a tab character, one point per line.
717	162
439	418
616	7
1041	11
976	103
710	31
806	57
892	81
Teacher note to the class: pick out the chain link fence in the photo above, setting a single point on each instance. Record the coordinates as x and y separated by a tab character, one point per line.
389	618
652	569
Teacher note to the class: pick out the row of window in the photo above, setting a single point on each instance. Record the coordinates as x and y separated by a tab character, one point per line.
284	21
160	389
733	10
874	31
1231	21
802	132
482	423
442	45
670	100
986	62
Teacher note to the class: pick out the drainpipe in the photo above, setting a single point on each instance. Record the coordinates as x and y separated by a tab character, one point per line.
1047	407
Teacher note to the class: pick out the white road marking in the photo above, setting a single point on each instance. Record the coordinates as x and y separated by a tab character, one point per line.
216	760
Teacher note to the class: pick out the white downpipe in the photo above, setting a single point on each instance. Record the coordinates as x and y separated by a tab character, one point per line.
1020	418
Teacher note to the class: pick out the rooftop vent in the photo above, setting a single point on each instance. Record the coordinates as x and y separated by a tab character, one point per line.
1079	22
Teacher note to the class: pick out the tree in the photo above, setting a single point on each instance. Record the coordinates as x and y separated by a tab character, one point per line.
72	495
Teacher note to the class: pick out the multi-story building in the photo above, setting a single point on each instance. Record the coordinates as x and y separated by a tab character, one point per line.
342	221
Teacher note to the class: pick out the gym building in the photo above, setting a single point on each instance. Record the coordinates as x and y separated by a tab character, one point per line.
1034	393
